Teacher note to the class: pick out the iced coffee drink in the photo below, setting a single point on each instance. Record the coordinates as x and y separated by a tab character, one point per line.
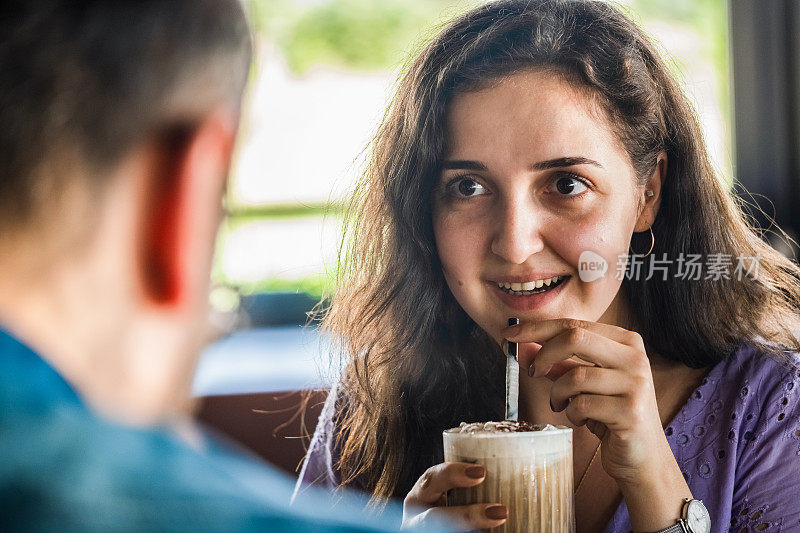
528	469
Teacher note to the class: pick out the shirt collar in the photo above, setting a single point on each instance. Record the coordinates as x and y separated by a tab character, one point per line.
25	375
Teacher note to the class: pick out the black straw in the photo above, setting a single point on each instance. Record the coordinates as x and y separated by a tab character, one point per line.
512	346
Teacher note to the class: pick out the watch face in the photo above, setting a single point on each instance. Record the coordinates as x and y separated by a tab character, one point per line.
697	517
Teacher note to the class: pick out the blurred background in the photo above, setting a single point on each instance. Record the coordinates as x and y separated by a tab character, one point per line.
321	79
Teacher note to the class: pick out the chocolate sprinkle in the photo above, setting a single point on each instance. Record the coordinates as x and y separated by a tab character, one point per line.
506	426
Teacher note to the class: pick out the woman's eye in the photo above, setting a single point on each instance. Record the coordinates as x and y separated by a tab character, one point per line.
570	185
465	188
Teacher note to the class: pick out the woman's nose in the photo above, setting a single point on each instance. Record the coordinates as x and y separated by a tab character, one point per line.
518	233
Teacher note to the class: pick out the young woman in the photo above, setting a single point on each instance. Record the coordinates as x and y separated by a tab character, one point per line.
530	140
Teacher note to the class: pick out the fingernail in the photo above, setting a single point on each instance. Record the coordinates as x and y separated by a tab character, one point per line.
475	472
531	370
496	512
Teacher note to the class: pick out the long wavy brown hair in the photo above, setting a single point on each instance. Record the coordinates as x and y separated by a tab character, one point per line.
417	363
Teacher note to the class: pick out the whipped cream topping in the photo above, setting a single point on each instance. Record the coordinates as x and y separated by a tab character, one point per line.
506	426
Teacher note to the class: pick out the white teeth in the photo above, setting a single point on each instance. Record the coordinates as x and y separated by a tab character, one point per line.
528	286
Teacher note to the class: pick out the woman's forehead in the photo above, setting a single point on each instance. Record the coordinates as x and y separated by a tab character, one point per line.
528	112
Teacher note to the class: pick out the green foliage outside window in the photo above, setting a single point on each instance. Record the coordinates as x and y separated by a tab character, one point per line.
708	18
354	34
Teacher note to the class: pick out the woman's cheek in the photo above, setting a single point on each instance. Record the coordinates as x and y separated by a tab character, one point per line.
457	252
593	250
460	244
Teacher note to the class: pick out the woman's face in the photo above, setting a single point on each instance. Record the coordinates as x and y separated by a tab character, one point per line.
535	177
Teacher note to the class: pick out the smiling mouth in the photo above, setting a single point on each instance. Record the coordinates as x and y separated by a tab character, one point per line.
538	290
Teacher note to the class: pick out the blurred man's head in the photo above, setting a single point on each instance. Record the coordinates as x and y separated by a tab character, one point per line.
118	120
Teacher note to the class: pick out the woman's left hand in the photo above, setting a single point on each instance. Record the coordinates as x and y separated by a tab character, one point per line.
609	389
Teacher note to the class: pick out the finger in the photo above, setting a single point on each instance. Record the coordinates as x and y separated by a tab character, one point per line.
588	346
560	368
463	517
541	331
608	410
437	480
527	353
587	380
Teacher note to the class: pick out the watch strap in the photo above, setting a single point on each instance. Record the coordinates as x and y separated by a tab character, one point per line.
676	528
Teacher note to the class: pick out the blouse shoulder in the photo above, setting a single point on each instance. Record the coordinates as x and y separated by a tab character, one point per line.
765	428
764	388
737	440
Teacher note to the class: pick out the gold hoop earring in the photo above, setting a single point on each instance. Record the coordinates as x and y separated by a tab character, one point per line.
652	244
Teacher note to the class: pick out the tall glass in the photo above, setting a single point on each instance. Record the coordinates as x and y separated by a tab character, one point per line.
530	472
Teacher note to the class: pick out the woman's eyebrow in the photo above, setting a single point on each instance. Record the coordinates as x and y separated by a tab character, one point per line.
559	162
565	162
463	165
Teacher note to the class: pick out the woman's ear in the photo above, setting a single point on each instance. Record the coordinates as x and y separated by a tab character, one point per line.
182	209
652	195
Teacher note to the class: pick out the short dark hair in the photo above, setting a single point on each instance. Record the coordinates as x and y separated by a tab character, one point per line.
82	82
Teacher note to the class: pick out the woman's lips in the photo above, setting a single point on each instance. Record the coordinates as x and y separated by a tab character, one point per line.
531	301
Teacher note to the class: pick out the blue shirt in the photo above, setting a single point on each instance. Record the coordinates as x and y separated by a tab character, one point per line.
63	468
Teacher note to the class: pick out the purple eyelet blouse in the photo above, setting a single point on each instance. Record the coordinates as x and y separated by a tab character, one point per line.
737	441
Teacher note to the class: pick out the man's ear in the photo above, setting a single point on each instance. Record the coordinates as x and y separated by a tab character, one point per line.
651	202
182	209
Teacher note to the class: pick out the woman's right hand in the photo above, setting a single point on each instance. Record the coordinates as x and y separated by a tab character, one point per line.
427	501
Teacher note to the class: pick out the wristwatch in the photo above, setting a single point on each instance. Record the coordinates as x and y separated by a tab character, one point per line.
694	519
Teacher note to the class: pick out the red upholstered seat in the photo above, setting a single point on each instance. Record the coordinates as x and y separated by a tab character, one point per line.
276	426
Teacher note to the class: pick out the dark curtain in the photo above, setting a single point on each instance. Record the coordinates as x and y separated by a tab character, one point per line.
765	53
